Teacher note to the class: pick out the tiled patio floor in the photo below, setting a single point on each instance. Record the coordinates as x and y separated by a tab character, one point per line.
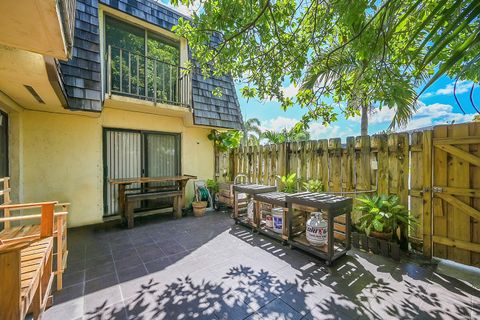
209	268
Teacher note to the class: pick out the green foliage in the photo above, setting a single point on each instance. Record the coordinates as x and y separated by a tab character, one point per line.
251	132
384	214
358	54
225	140
288	183
313	185
293	135
212	185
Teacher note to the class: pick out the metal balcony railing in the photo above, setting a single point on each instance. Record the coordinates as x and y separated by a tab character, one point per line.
138	76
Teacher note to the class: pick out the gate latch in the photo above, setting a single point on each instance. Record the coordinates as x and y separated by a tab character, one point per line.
437	189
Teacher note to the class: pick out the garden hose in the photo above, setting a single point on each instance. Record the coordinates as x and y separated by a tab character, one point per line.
203	193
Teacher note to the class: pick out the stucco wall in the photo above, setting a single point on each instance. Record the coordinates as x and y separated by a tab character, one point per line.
62	156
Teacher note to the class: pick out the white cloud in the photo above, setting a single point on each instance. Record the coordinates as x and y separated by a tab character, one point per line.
279	123
434	114
290	91
462	87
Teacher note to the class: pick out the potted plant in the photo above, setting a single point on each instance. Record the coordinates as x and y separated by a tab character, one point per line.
384	219
199	208
313	185
288	183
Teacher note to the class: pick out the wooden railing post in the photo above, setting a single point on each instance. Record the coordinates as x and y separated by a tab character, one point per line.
6	200
46	225
427	193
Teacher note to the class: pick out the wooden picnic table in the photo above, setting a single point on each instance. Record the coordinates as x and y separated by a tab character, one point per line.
122	183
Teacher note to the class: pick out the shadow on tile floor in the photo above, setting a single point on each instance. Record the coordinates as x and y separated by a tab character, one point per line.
209	268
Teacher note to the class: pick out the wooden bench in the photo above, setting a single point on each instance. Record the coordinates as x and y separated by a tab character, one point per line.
26	273
131	198
26	230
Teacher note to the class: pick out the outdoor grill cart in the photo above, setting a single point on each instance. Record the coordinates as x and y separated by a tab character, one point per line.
243	193
335	211
271	212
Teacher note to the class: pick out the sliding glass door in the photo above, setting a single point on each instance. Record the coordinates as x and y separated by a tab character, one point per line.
131	154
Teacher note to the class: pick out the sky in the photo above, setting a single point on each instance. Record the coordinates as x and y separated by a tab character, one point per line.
436	106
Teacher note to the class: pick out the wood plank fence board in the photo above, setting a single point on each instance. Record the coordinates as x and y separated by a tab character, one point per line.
416	183
458	223
475	192
440	179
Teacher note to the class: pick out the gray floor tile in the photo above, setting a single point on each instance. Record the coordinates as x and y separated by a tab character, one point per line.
128	274
209	268
279	310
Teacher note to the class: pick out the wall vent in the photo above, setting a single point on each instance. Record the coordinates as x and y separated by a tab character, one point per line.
34	93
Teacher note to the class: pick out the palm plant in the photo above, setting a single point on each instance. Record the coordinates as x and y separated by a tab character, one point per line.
349	76
450	37
285	135
273	137
251	132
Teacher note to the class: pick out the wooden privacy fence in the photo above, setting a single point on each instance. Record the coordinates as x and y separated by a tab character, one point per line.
397	163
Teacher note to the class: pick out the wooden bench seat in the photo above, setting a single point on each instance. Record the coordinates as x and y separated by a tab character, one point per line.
32	231
130	198
34	259
26	273
21	226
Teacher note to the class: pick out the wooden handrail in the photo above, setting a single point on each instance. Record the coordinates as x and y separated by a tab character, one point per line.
31	216
18	206
14	246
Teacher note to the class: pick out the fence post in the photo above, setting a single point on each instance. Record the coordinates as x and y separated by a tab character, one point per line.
427	193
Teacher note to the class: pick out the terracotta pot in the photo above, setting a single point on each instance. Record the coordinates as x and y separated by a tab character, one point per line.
381	235
199	208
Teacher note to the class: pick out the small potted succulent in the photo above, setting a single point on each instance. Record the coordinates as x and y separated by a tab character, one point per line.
383	219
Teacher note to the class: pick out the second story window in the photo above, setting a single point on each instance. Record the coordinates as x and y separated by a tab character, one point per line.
142	64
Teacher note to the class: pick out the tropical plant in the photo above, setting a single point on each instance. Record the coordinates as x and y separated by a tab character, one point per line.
288	183
212	185
383	214
293	135
225	140
313	185
251	132
273	137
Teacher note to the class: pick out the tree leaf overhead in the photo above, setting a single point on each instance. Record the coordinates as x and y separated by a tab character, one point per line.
342	55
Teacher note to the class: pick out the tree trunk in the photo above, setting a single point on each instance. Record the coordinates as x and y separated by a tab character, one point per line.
364	123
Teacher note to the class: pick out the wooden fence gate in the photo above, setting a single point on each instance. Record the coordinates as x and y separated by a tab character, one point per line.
456	193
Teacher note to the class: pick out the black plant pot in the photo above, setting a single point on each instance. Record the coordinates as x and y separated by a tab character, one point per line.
364	242
384	250
395	251
373	245
356	240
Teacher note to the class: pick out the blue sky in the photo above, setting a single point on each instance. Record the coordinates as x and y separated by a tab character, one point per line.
436	106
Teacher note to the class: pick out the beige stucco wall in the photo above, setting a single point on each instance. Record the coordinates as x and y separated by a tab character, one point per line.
62	156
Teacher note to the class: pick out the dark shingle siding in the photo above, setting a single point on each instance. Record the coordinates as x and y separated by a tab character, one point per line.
82	73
